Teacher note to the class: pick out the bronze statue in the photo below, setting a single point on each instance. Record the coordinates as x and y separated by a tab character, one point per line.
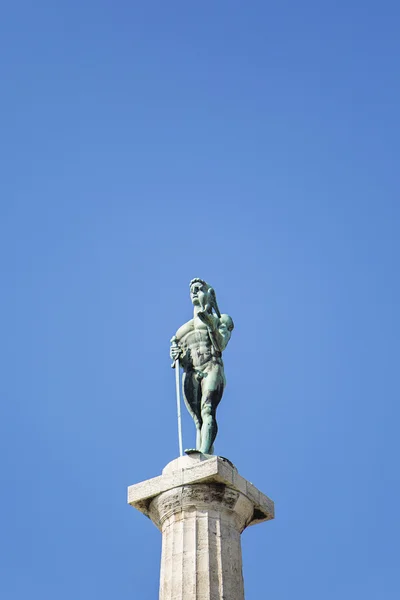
198	345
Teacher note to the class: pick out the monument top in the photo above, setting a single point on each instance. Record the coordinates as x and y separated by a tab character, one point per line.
200	502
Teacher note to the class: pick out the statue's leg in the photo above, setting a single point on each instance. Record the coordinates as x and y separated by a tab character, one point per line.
192	396
198	437
212	390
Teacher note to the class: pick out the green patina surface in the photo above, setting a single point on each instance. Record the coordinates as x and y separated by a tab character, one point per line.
198	344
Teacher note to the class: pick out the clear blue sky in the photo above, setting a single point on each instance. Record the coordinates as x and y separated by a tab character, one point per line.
253	144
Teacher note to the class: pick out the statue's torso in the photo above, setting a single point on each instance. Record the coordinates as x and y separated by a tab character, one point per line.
197	348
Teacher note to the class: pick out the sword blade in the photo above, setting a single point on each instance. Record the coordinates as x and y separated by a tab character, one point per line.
178	404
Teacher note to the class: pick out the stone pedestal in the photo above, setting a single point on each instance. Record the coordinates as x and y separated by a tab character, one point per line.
201	505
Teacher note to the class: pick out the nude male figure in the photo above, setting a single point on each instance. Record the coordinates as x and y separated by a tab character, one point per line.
199	344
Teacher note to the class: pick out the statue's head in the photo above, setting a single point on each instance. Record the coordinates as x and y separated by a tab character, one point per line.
203	295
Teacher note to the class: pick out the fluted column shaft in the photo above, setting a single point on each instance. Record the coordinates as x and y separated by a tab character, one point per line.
201	551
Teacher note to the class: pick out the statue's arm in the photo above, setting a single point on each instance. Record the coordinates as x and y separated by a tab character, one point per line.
220	334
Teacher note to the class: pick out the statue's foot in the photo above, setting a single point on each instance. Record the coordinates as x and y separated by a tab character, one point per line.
190	451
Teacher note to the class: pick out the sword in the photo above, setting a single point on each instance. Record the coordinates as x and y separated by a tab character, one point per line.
175	365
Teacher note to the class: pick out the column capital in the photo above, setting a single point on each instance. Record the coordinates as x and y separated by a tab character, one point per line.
189	472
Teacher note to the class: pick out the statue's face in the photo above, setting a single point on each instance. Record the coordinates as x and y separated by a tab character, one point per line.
198	294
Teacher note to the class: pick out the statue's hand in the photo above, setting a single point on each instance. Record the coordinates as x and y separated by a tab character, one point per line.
175	350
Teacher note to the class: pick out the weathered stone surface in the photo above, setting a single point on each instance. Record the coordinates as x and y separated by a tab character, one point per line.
197	468
201	557
201	505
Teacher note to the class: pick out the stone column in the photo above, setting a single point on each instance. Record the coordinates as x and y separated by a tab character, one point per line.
201	505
